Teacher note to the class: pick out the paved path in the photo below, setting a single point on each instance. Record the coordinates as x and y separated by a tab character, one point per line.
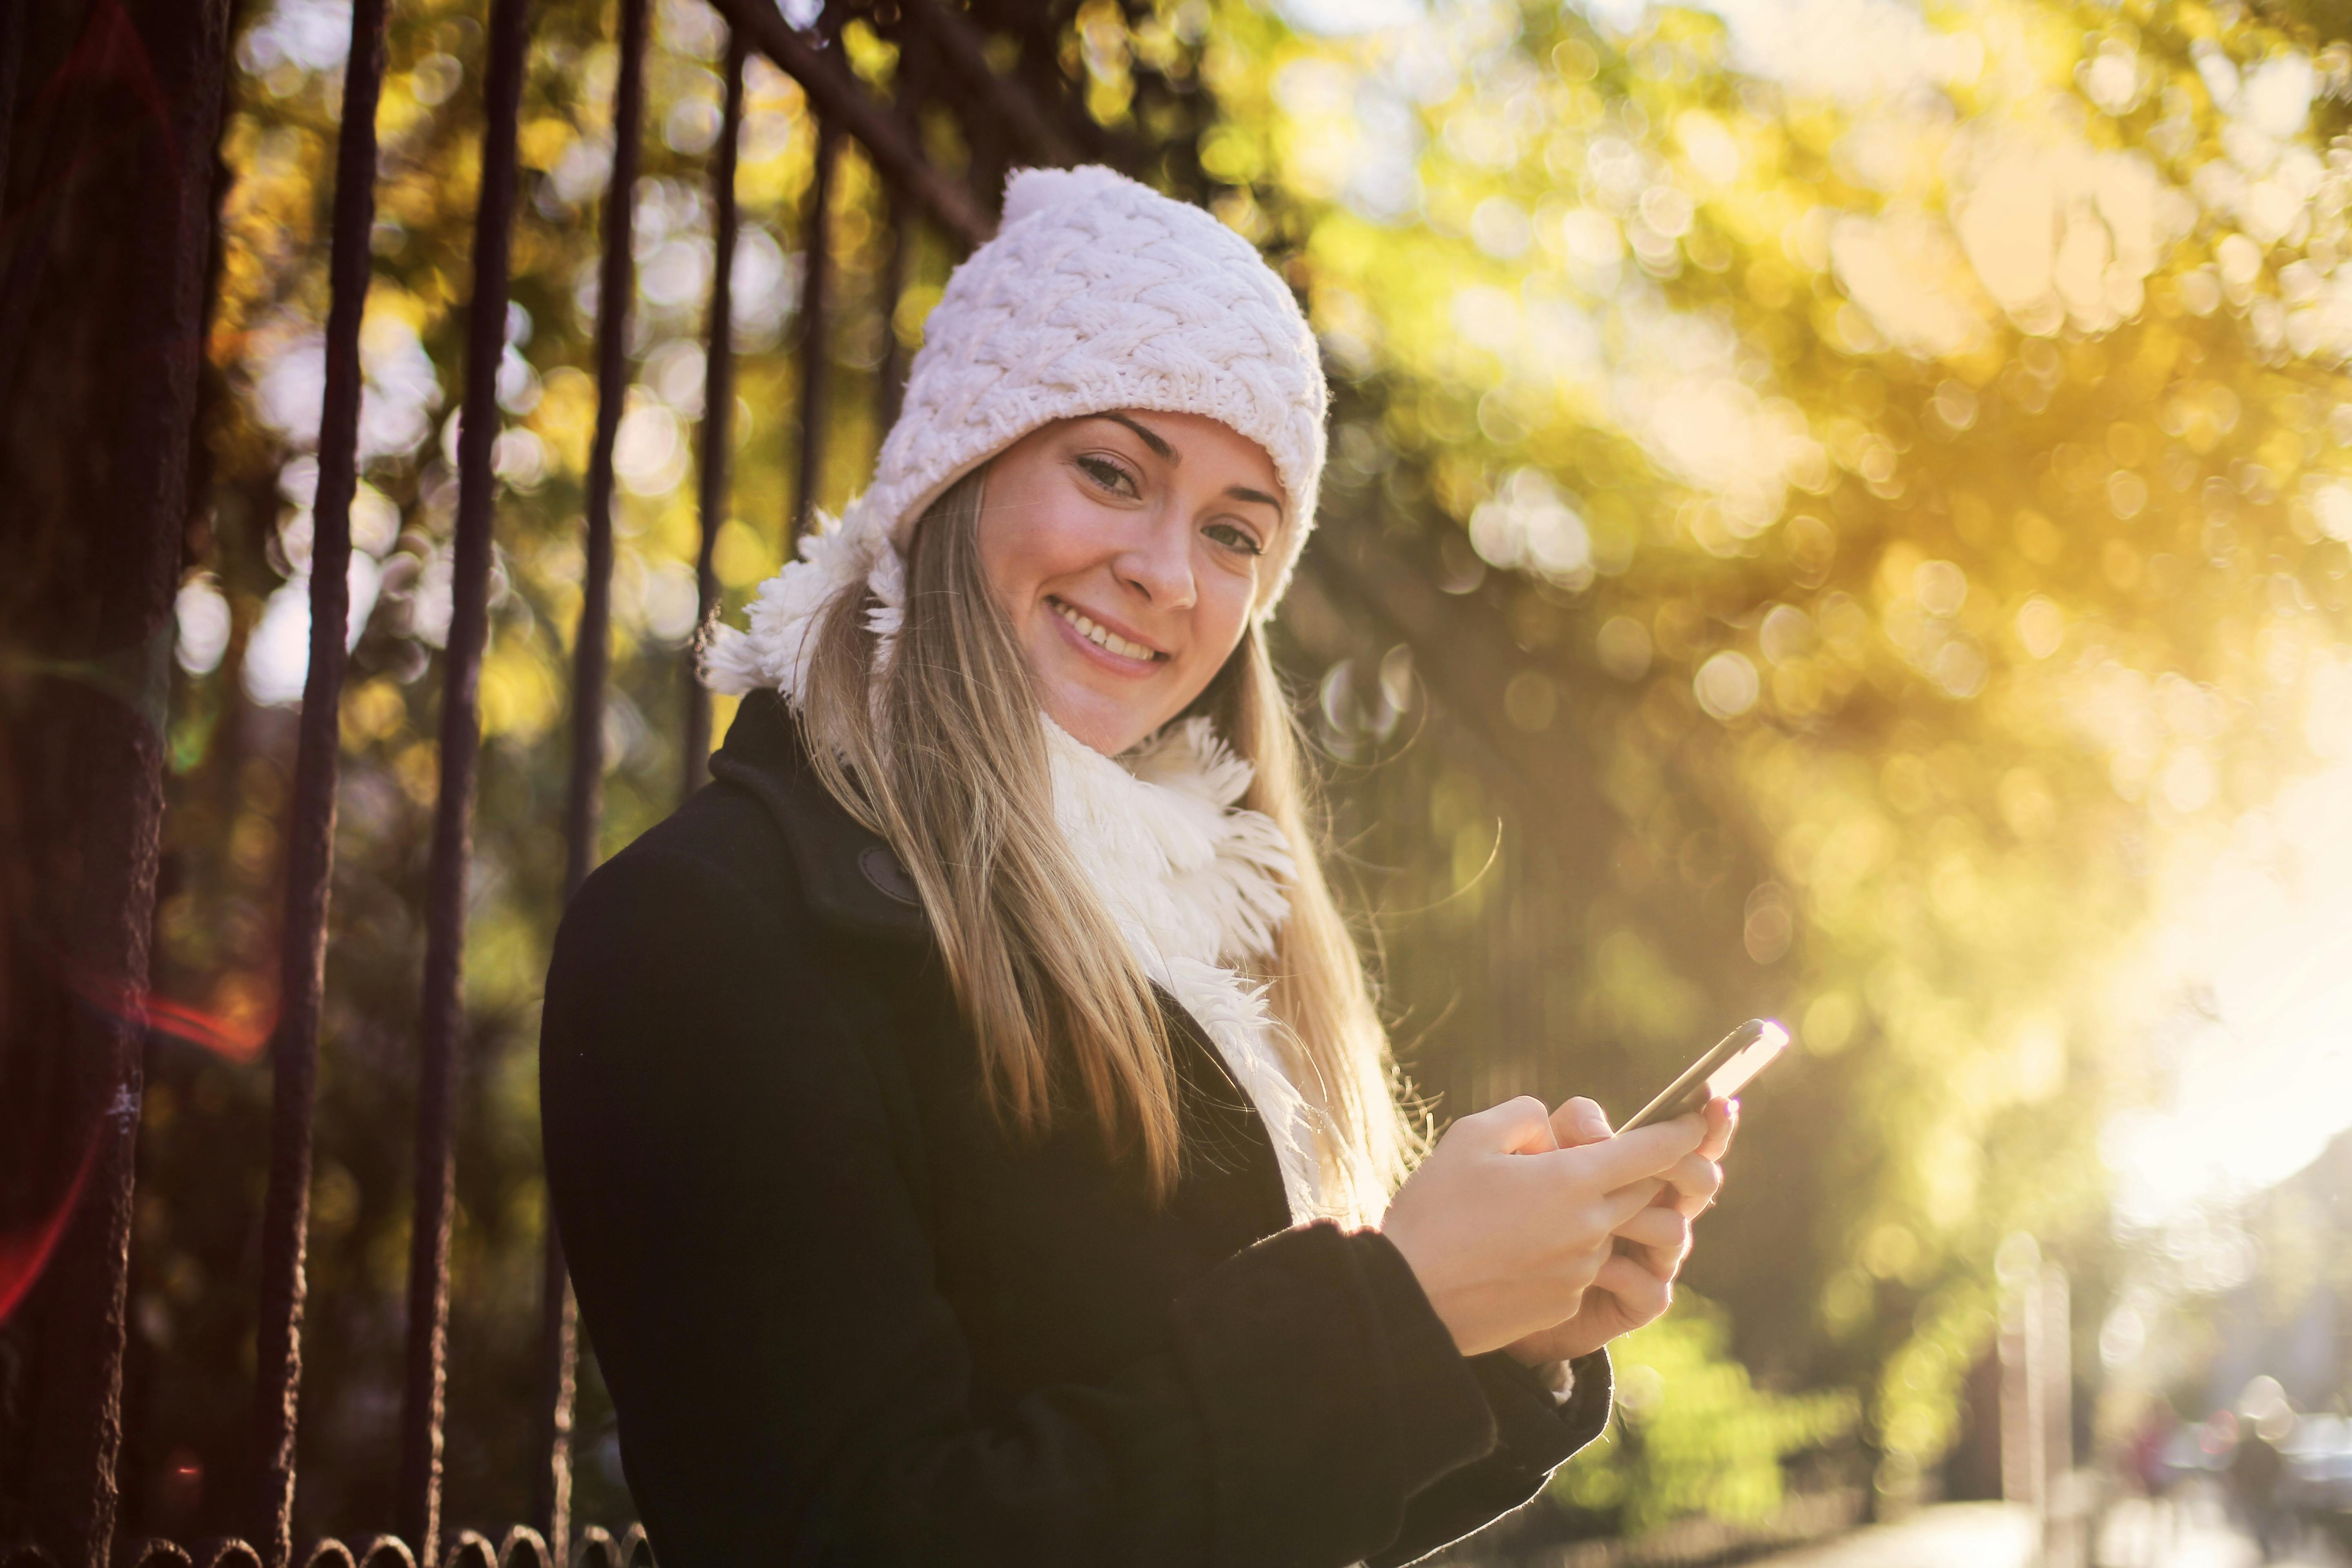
1947	1535
2192	1533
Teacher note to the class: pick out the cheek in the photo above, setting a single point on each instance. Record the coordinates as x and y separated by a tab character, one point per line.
1222	614
1027	541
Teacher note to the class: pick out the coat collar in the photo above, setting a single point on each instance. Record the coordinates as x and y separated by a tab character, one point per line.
850	877
855	882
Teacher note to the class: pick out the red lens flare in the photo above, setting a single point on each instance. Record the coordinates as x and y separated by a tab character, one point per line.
23	1256
234	1037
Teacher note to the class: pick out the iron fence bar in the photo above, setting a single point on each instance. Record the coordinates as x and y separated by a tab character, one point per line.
891	388
834	94
960	41
718	407
97	413
816	362
310	818
461	740
592	662
14	21
912	88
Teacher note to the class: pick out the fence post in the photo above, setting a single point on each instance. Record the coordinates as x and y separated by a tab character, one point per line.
453	815
911	88
816	364
718	407
310	817
591	658
102	287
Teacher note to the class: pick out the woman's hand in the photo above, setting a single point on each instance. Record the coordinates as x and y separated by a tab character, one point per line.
1506	1230
1636	1284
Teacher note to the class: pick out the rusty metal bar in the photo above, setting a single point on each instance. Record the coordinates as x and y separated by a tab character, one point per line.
890	388
14	20
591	664
718	406
913	82
100	365
617	286
310	818
835	94
816	359
461	742
960	41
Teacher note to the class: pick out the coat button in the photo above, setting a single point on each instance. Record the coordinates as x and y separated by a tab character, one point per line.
889	878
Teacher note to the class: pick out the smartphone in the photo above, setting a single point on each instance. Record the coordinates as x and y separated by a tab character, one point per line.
1718	1075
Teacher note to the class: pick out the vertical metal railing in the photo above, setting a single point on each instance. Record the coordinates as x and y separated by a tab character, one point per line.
14	20
461	738
592	658
101	337
914	64
311	813
816	355
718	406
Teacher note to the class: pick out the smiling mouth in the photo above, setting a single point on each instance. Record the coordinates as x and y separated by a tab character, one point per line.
1102	636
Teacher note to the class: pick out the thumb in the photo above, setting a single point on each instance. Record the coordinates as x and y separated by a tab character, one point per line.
1579	1121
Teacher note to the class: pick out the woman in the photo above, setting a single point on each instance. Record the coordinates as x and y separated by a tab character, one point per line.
968	1120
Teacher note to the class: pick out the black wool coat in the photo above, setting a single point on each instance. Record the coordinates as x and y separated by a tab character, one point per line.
847	1319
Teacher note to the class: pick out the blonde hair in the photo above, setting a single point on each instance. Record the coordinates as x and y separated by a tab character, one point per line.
1041	973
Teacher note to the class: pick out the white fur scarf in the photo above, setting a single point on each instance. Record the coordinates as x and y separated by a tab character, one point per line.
1195	882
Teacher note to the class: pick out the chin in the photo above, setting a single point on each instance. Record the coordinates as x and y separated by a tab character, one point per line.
1108	737
1100	724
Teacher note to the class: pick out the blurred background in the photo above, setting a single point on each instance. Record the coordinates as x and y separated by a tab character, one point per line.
1839	510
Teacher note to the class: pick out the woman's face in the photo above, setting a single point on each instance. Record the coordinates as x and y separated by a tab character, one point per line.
1128	548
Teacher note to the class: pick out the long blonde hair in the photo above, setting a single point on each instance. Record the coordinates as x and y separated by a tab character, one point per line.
945	758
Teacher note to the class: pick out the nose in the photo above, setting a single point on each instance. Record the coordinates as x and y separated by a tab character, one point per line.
1158	564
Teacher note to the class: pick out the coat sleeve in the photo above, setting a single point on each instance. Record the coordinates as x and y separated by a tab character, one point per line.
790	1384
1535	1434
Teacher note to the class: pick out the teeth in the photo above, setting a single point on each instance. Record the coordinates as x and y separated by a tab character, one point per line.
1102	637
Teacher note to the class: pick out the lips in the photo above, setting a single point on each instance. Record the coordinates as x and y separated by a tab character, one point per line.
1102	636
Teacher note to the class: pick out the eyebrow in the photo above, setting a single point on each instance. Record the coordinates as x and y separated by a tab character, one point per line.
1172	457
1243	492
1151	438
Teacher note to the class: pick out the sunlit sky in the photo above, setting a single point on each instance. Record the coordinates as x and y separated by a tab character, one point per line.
2259	943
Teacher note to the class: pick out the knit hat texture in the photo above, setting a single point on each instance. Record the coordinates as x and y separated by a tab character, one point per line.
1101	293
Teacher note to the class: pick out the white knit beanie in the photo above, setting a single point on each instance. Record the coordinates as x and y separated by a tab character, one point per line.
1101	293
1096	293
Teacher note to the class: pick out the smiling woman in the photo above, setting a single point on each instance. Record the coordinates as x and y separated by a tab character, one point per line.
971	1132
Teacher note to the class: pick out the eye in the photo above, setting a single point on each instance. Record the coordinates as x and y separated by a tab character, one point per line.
1107	474
1235	537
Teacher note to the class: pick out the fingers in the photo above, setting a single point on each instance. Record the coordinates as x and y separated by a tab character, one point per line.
1664	1234
1695	1180
1616	1209
1641	1295
1519	1126
1579	1121
1645	1151
1722	1125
